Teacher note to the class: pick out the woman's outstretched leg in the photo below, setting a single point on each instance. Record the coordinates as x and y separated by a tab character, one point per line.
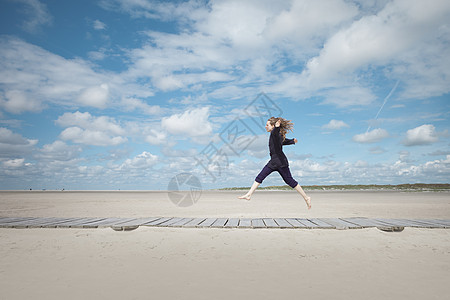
302	192
250	192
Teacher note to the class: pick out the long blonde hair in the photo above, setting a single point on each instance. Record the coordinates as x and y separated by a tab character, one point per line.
285	126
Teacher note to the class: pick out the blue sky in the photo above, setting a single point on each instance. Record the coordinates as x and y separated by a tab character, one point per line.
126	94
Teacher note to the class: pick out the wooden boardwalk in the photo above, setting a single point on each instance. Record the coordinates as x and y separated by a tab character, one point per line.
256	223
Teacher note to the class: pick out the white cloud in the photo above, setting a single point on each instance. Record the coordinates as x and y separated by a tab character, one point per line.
335	125
372	136
156	137
96	96
14	163
131	104
193	123
13	144
91	137
142	161
83	128
422	135
99	25
17	102
37	14
58	151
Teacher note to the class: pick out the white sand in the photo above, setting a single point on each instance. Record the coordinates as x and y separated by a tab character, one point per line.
181	263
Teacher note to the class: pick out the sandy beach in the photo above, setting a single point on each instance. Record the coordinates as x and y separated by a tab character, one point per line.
194	263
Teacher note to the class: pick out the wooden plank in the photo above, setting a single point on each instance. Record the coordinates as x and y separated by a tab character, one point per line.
207	222
107	222
33	223
232	223
137	222
17	221
445	223
194	222
307	223
220	222
7	220
270	223
258	223
170	222
425	224
340	224
321	224
363	222
181	222
78	223
50	222
283	223
394	222
295	223
245	223
157	221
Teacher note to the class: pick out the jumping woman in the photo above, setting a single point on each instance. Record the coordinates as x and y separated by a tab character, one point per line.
278	127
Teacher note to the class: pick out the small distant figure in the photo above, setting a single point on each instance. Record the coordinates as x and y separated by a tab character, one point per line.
278	127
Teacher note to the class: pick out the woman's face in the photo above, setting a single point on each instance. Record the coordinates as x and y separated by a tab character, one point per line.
269	127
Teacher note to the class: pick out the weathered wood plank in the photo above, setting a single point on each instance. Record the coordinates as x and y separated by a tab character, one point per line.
308	223
207	222
181	222
220	222
270	223
363	222
258	223
194	222
108	222
283	223
424	224
321	224
295	223
340	224
245	223
78	223
157	221
393	222
137	222
232	223
16	221
170	222
49	222
445	223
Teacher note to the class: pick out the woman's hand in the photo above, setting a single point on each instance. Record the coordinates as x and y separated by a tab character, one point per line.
278	123
295	140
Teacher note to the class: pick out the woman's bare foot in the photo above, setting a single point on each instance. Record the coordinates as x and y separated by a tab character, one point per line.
246	197
308	202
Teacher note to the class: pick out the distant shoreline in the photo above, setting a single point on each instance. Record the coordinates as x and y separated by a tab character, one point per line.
418	187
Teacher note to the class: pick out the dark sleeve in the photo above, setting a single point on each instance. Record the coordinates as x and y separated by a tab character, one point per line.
288	142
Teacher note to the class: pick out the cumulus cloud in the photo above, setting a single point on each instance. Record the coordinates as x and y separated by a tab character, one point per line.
193	123
335	125
142	161
156	137
13	144
58	151
372	136
83	128
131	104
96	96
17	102
422	135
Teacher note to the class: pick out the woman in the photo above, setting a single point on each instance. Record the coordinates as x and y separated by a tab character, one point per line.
278	128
